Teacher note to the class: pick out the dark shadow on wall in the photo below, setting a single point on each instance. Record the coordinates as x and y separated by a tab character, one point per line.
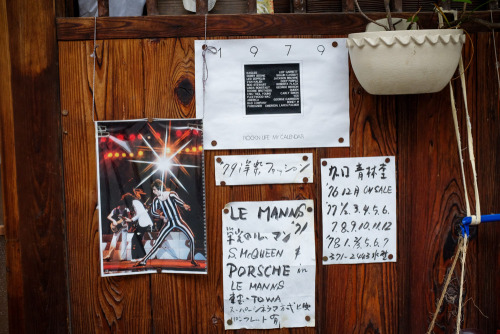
4	326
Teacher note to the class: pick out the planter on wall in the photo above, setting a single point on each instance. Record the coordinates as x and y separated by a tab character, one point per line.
405	61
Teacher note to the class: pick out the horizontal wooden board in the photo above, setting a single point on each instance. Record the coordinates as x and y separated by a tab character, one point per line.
233	25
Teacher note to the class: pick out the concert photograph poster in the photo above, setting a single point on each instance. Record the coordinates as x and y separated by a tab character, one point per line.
151	196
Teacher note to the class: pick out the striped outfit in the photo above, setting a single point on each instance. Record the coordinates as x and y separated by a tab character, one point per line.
168	202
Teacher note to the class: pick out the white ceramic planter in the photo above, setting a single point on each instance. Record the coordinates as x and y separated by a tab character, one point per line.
405	62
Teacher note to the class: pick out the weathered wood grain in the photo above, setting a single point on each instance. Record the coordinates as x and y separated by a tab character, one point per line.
201	7
430	172
116	304
233	25
324	6
152	7
172	7
252	6
470	313
169	78
155	78
103	8
373	133
179	302
33	173
299	6
10	205
487	148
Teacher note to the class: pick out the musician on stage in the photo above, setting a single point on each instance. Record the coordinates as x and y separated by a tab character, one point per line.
141	222
166	205
118	217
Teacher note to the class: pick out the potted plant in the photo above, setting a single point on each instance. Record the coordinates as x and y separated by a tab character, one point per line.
394	57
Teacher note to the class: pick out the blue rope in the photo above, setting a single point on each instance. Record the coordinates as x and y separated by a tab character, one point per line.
484	219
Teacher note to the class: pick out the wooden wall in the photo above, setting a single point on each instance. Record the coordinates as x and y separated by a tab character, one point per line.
32	180
140	77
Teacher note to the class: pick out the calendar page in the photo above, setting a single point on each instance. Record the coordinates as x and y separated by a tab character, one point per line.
273	93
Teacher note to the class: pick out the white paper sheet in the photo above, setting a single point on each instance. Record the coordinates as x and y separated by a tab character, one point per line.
263	169
269	264
273	93
359	210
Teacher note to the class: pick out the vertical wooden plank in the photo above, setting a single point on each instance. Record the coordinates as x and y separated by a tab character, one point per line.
434	202
169	78
180	303
65	8
36	256
108	304
201	6
103	8
363	297
152	7
373	133
10	203
299	6
470	312
487	129
348	6
405	197
252	6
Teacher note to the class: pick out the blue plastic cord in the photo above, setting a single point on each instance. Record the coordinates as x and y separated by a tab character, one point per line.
484	219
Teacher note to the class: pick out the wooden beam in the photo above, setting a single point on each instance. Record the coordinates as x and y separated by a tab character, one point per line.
348	6
202	7
152	7
103	8
233	25
252	6
32	168
299	6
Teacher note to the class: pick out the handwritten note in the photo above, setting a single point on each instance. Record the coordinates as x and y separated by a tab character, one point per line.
359	210
263	169
269	264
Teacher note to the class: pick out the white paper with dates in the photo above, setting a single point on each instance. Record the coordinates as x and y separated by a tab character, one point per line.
359	210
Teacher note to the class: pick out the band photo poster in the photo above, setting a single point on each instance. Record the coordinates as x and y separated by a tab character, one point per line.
151	196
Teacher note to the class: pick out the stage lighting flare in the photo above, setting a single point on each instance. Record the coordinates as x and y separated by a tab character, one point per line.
141	153
110	155
164	158
117	155
164	164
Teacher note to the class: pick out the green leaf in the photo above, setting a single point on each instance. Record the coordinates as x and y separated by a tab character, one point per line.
466	1
412	19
